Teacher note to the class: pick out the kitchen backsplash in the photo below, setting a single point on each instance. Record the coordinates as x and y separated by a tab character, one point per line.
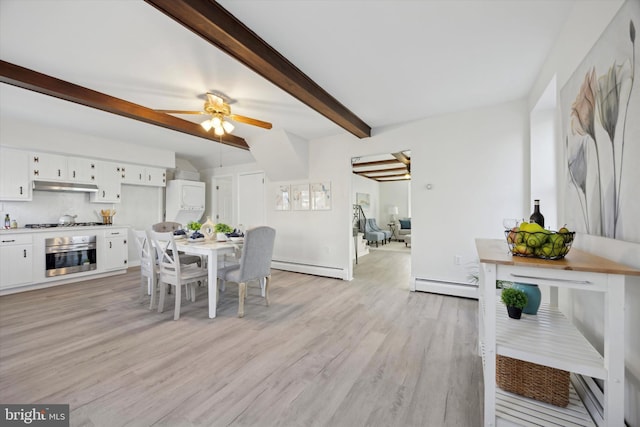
49	206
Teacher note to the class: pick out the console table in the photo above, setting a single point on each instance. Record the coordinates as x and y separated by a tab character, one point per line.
549	338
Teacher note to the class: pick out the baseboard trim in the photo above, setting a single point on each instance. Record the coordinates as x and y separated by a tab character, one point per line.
316	270
446	288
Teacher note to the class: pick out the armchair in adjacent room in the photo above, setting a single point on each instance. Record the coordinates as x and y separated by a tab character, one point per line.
403	227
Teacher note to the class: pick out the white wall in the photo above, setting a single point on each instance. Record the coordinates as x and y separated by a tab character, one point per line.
360	184
582	30
395	193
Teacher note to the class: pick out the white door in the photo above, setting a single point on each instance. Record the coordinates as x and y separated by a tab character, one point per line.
251	200
224	201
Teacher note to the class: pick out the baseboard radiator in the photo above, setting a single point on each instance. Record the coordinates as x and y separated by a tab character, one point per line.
457	289
316	270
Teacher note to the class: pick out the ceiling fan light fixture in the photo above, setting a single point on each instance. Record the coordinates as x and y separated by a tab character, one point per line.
218	131
216	121
206	125
228	127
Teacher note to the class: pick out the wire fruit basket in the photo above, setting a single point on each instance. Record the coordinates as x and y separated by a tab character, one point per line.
545	245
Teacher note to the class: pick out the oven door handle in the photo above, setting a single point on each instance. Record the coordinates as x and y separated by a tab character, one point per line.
69	248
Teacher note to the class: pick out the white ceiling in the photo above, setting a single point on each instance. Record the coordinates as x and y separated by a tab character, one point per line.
388	61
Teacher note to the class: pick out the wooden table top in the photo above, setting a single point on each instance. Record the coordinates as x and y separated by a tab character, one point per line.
496	251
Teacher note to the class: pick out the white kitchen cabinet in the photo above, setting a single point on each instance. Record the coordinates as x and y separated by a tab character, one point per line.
82	170
14	175
143	175
56	167
550	339
108	182
115	250
16	260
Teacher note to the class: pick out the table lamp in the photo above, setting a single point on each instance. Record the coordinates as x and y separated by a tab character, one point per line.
393	211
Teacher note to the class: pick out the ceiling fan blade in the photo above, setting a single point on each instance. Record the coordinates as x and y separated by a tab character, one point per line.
180	112
401	157
250	121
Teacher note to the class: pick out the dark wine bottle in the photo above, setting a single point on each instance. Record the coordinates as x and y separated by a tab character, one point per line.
536	216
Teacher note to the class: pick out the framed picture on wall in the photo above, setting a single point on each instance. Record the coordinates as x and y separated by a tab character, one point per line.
362	199
320	195
282	198
300	197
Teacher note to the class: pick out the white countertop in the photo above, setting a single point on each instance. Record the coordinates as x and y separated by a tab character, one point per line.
23	230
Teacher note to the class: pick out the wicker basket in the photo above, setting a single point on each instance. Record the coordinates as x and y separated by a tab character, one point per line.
538	382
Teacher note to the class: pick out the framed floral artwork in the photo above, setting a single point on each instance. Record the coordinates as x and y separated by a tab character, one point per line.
320	195
282	198
300	197
600	106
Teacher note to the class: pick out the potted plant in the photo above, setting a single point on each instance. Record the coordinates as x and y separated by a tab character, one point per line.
222	230
515	300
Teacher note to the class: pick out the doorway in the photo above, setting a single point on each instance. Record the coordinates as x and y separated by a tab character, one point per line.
251	200
381	191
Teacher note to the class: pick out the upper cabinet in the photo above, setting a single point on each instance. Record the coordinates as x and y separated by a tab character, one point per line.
108	184
15	183
56	167
143	175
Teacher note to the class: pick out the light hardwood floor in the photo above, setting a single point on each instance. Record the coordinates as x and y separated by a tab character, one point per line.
325	353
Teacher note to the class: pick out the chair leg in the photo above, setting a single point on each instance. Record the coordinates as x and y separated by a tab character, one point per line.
144	284
163	291
176	311
154	287
267	281
242	293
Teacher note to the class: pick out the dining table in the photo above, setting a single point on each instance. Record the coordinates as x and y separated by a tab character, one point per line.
211	249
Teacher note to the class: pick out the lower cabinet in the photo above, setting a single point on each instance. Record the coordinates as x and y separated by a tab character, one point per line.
115	250
16	260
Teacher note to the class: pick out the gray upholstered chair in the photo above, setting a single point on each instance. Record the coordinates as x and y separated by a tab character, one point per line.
172	272
374	227
371	235
255	264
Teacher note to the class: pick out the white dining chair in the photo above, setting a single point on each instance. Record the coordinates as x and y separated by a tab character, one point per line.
148	266
172	272
255	264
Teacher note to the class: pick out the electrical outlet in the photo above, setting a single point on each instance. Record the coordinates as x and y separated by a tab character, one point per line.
457	260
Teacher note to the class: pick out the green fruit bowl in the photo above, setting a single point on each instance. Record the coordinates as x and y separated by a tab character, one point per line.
545	245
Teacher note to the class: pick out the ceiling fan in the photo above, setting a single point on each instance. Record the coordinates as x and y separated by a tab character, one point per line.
220	111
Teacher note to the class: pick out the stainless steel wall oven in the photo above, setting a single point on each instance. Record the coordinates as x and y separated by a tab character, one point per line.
73	254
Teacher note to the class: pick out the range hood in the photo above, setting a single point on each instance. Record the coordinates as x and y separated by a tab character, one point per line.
64	186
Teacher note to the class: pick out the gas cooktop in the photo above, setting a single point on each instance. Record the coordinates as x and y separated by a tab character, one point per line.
77	224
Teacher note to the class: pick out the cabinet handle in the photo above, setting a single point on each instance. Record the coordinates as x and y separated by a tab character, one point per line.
110	245
580	282
149	177
93	165
125	261
103	193
93	177
36	160
21	189
36	172
140	176
125	242
74	174
58	172
24	251
117	196
8	241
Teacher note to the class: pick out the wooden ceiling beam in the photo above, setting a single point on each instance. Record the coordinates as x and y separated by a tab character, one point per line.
372	171
212	22
32	80
376	163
